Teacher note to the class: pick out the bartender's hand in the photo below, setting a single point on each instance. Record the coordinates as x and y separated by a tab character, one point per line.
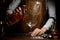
38	31
15	17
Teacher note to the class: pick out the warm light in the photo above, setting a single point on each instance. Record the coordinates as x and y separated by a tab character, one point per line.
38	2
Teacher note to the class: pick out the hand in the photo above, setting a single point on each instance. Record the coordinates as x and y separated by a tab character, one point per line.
18	11
15	17
38	31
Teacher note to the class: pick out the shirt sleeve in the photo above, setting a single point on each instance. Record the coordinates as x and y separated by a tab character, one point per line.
12	6
51	7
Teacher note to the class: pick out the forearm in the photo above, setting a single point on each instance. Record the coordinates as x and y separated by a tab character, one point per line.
13	6
48	24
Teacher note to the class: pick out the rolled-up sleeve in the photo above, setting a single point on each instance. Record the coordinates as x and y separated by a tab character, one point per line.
12	6
52	13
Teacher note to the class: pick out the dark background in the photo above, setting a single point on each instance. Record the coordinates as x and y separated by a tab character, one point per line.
58	14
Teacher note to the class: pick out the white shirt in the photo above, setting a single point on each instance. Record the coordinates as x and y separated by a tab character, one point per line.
52	13
49	4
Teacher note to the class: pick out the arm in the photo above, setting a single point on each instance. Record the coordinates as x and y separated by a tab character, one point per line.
13	6
51	7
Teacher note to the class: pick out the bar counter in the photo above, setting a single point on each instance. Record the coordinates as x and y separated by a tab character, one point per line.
25	37
20	38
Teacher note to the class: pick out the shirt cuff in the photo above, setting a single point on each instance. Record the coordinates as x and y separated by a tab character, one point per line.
9	11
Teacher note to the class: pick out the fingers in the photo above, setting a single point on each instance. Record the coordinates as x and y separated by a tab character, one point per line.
38	31
19	8
18	11
35	32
